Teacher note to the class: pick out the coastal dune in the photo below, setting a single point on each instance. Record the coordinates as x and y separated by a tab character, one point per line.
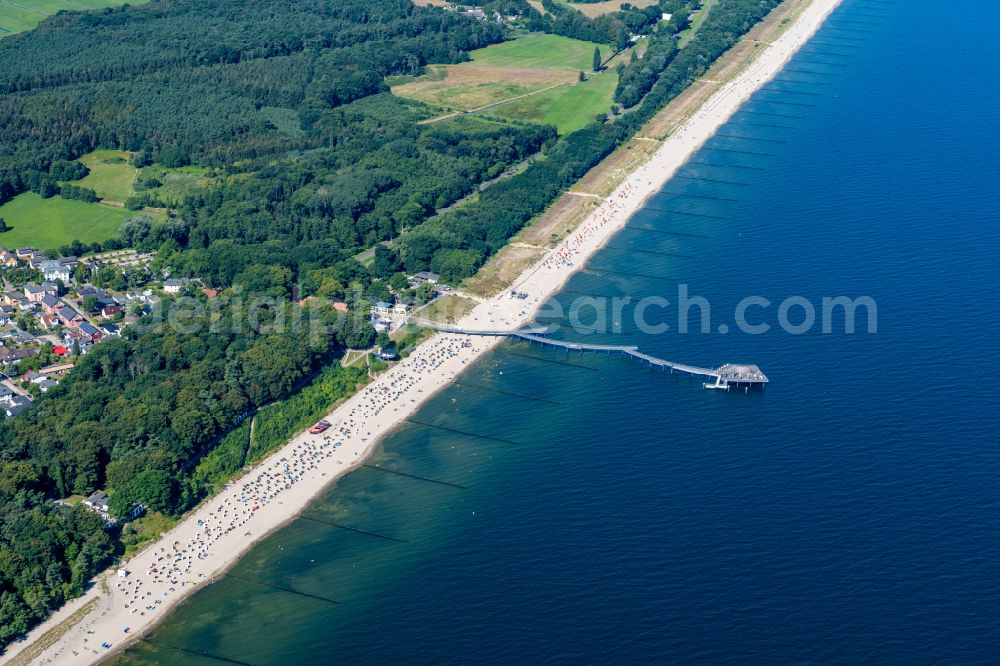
214	536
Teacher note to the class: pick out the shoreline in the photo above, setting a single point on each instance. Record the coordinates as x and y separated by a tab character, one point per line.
203	546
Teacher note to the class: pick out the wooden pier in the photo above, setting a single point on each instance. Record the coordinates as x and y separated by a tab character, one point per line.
744	376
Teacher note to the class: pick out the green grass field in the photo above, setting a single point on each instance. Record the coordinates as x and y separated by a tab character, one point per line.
538	51
110	175
568	108
47	224
532	78
21	15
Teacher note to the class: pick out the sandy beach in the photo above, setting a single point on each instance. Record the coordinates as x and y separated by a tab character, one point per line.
214	536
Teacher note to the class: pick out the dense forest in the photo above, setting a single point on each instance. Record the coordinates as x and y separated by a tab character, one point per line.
285	99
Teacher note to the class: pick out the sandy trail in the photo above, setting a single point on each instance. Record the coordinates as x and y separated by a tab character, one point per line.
216	534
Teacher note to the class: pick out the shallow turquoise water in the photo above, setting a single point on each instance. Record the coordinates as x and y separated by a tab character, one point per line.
848	513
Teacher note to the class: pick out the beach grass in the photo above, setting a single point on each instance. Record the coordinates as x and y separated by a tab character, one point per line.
143	530
353	356
447	309
50	637
47	224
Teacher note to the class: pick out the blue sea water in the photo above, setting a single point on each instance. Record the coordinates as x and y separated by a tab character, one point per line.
848	513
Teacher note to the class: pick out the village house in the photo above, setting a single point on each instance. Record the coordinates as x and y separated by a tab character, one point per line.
36	292
91	332
11	355
37	258
7	258
18	403
173	286
51	305
33	377
81	339
111	311
100	501
426	276
10	399
53	269
23	304
389	310
70	317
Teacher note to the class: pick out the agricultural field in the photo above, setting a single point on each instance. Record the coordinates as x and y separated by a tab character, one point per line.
50	223
513	74
111	175
21	15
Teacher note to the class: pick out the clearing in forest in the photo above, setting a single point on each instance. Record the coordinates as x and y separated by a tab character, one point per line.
113	178
111	174
505	80
171	185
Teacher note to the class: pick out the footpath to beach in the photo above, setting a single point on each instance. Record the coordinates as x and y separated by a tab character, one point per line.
214	536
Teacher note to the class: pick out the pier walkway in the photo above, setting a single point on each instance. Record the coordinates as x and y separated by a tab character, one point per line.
742	375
